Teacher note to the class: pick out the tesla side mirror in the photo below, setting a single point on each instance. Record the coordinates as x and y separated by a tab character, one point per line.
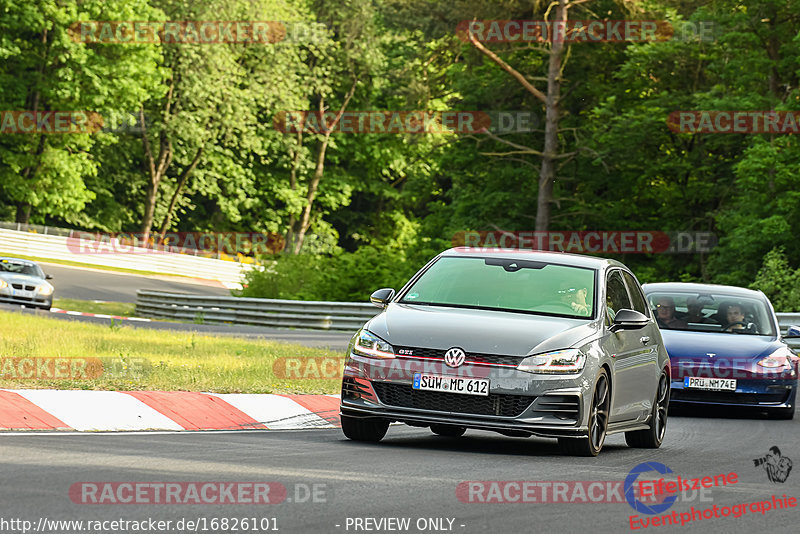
382	297
629	319
792	331
48	277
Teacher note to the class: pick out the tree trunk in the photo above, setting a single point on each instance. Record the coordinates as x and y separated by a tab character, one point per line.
288	244
177	194
155	171
547	174
305	219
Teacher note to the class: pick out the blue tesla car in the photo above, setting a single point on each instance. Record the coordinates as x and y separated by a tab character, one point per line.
725	347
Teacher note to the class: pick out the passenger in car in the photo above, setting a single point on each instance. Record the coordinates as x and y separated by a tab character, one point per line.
695	314
665	315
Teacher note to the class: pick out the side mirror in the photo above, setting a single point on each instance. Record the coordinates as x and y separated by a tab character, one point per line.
792	331
629	320
381	297
48	277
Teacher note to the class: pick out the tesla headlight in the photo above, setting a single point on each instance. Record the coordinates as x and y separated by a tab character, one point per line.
557	361
369	345
780	358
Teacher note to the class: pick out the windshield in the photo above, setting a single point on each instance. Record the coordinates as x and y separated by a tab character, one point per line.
19	268
504	284
711	312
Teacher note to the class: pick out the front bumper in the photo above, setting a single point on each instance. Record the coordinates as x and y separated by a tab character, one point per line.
28	298
518	403
767	393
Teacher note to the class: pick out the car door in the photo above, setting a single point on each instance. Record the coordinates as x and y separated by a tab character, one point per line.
650	339
631	355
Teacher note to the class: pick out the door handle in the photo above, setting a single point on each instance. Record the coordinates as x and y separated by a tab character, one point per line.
645	340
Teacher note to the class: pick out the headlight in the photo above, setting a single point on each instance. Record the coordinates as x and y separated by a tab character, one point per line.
370	345
45	290
780	358
3	284
558	361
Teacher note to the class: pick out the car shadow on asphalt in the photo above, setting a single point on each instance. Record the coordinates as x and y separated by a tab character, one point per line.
482	442
719	412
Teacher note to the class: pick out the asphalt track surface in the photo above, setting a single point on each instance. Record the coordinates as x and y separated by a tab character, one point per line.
109	286
410	474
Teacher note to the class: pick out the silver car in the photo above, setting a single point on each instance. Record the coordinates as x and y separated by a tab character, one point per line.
518	342
23	282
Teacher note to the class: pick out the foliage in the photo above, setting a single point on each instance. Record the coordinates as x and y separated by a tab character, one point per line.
779	282
386	203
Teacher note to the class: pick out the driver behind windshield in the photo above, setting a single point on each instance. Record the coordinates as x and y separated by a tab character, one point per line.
575	298
735	318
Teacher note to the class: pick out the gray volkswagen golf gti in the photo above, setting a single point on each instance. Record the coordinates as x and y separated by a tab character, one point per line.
518	342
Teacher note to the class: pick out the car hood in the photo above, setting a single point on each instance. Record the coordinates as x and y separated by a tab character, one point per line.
20	278
696	346
478	331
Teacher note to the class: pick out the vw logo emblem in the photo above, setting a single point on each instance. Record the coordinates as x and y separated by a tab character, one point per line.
454	357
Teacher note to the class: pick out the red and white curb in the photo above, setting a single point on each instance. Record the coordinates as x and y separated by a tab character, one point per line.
99	315
99	411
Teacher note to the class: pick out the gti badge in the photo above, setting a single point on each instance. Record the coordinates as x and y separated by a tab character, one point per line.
454	357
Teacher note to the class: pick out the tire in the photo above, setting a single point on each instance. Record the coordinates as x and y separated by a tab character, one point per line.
592	444
653	436
448	431
371	430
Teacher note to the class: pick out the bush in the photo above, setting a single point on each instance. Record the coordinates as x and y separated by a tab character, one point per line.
779	281
344	277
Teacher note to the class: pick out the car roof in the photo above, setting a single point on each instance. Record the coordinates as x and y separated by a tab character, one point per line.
16	260
687	287
562	258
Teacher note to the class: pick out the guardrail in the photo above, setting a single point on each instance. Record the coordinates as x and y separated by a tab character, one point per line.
785	320
58	247
287	313
253	311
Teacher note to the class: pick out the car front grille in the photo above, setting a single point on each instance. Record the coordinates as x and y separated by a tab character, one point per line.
726	397
23	287
406	397
438	354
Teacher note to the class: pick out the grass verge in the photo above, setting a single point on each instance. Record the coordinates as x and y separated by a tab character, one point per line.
141	359
123	309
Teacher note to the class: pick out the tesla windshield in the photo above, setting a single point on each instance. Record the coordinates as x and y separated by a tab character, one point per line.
509	285
712	312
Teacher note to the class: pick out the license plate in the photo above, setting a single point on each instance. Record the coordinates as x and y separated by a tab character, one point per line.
692	382
451	384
